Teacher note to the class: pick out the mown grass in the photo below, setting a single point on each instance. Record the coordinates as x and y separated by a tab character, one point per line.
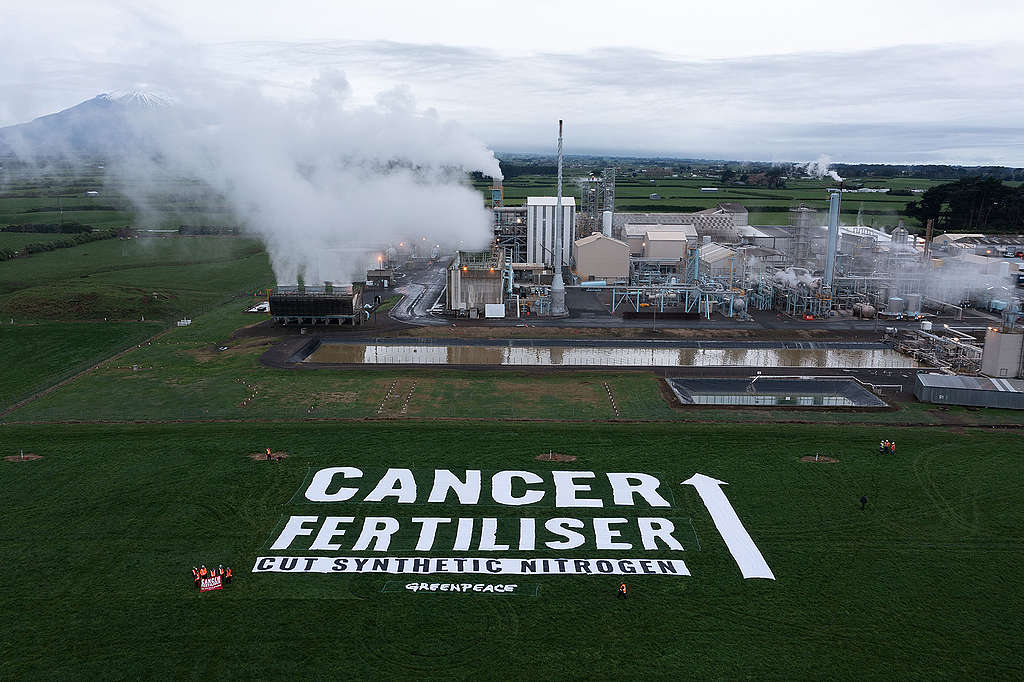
39	355
162	278
100	534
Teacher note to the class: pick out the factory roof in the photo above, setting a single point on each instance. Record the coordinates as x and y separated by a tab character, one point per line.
732	207
549	201
597	236
641	229
954	236
712	253
864	231
774	231
666	236
969	383
991	240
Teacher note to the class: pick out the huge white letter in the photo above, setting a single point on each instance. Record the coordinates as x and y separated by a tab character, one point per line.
560	527
317	490
605	536
397	483
293	529
623	489
501	488
428	530
376	528
328	531
652	530
566	487
467	491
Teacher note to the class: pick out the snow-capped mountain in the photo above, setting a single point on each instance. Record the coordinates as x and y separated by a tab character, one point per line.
101	126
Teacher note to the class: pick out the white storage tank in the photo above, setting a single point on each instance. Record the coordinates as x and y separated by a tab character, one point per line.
913	304
926	326
896	305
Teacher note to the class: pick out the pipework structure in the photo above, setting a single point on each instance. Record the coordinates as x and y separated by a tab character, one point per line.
597	197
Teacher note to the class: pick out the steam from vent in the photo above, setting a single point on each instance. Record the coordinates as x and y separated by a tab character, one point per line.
326	184
820	168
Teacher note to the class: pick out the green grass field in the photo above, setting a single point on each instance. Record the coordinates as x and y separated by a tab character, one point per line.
42	354
100	534
145	473
766	206
160	278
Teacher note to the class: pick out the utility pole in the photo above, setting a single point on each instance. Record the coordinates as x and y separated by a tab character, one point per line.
558	308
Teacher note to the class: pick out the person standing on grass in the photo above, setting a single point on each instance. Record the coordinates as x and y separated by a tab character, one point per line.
622	590
863	502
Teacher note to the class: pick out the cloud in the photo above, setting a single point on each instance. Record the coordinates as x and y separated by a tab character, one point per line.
940	102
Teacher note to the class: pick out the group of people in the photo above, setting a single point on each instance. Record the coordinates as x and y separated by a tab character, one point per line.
887	447
198	574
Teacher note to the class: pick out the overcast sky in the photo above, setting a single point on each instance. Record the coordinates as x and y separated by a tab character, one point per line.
904	81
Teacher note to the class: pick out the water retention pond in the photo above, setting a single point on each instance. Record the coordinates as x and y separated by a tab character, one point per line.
537	353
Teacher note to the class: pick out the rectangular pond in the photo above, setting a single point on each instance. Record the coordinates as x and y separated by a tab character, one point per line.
515	355
774	392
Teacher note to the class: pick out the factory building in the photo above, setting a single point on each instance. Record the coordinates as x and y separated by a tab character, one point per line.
717	260
541	226
720	223
1004	354
946	389
475	281
665	244
636	234
313	305
602	258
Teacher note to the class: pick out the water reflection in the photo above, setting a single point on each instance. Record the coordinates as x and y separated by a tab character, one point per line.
626	356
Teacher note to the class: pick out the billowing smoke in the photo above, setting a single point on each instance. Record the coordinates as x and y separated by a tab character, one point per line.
820	168
323	182
794	277
326	184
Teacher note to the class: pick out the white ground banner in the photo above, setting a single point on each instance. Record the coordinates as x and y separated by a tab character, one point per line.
633	503
470	565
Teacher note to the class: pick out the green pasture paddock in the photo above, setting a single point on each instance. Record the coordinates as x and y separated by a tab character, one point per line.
100	535
184	375
160	277
36	356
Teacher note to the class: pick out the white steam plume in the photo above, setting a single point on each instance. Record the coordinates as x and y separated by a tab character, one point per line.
324	183
819	168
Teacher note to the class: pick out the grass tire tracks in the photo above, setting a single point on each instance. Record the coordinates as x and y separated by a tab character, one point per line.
64	382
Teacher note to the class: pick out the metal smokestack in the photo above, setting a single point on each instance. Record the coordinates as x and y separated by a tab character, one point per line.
558	308
833	238
606	223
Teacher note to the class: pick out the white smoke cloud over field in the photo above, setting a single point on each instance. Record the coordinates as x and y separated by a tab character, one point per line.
820	168
323	182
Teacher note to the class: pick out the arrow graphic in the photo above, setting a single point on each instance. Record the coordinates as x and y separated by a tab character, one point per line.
741	546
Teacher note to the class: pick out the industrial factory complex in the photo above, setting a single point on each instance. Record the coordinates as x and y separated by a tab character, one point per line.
950	302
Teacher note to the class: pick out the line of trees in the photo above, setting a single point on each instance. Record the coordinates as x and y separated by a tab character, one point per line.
971	205
50	228
65	243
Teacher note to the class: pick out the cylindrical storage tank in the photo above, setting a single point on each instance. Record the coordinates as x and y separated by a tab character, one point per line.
1004	269
896	305
913	303
926	326
606	223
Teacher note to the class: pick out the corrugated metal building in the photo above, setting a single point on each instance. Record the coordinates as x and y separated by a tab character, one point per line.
945	389
541	227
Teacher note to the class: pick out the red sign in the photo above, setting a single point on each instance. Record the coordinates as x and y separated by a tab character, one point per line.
213	583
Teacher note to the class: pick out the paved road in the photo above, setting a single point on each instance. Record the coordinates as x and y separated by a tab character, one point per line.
423	284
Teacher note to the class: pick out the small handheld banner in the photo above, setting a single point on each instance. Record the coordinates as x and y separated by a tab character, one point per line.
213	583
